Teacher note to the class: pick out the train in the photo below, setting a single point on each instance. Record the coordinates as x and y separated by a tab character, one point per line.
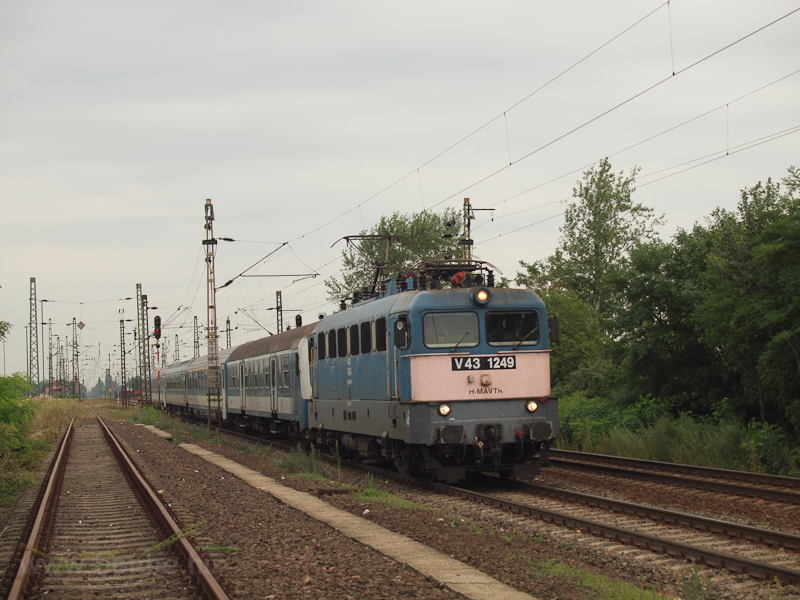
432	372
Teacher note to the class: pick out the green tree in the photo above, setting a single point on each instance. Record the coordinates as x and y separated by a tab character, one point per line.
422	236
5	327
582	342
601	227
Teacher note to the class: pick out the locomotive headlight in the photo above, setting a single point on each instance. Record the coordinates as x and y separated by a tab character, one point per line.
531	406
481	296
444	410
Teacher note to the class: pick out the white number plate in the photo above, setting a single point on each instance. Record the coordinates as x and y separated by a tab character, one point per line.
483	363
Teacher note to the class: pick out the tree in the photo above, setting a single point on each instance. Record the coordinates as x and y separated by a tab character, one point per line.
5	327
422	236
600	229
582	341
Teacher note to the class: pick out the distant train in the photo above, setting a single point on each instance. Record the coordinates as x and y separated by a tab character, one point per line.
436	381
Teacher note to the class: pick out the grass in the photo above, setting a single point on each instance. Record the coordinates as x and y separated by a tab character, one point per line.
645	431
594	585
299	461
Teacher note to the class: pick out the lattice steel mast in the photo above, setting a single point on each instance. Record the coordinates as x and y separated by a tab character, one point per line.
50	354
213	340
123	384
33	347
76	373
196	338
144	347
279	310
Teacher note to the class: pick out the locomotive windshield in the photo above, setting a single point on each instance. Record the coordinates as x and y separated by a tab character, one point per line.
512	328
446	330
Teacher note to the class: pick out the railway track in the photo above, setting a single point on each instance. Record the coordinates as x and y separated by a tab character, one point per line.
761	553
99	529
740	483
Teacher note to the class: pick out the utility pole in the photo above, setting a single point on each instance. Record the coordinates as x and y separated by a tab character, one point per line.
279	310
27	356
196	338
76	379
50	353
469	215
34	345
123	384
144	347
211	296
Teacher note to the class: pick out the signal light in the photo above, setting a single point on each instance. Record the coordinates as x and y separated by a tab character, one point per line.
157	327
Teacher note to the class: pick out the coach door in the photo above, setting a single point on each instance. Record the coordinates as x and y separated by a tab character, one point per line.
273	387
242	396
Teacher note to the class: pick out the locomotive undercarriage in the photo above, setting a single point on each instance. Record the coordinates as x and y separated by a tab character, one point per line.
444	462
448	462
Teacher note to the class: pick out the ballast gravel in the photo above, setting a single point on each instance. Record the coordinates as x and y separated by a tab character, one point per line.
276	552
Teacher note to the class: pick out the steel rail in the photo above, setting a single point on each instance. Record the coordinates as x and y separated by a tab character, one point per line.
54	477
735	530
142	487
712	558
759	478
705	484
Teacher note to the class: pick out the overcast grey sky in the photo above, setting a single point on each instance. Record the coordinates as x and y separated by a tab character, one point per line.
118	120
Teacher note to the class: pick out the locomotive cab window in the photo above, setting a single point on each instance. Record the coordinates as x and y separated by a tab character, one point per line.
450	330
512	328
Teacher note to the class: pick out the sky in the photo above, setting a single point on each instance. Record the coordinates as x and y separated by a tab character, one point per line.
304	122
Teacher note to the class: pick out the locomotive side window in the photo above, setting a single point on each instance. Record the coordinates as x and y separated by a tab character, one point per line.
332	344
321	346
380	335
450	329
341	335
366	337
354	340
512	328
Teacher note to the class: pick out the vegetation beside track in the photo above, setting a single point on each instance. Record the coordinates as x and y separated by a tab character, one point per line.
27	428
647	430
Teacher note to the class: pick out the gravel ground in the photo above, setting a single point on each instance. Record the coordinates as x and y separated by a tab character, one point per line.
502	545
757	513
271	551
280	553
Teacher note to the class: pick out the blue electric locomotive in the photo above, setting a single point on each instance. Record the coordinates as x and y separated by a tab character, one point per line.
437	381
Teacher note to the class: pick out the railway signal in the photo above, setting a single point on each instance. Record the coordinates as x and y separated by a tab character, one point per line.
157	327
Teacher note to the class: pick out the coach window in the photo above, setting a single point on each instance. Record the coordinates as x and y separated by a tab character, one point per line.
321	346
354	340
450	330
380	335
285	370
366	337
341	338
517	328
266	374
332	343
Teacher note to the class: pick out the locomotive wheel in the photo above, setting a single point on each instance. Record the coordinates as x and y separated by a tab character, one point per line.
404	461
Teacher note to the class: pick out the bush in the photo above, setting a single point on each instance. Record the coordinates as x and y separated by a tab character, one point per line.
646	430
17	453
